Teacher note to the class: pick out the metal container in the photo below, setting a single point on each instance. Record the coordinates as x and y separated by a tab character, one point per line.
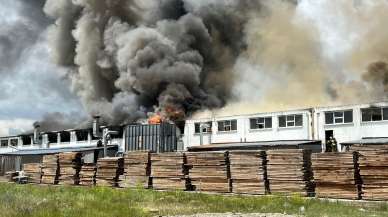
151	137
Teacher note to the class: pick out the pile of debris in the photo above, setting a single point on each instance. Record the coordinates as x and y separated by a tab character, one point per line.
136	169
87	175
374	174
108	171
33	171
289	171
336	175
70	164
50	169
248	172
208	171
168	171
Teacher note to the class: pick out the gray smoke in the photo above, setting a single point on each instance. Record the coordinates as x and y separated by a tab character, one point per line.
126	57
18	36
57	121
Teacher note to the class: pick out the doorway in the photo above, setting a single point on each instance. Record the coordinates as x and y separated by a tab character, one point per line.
328	134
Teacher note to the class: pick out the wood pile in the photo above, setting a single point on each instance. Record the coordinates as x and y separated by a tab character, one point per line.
366	147
374	174
289	172
33	171
209	171
87	175
70	164
50	169
248	172
168	171
136	169
108	171
336	175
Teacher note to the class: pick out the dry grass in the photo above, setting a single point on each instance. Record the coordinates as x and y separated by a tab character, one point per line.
45	201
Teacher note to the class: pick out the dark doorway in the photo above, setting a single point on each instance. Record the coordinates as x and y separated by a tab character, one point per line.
328	135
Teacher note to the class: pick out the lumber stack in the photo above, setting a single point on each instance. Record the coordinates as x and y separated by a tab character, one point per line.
336	175
168	171
248	172
87	174
374	174
33	171
209	171
108	171
50	169
366	147
70	164
136	169
289	172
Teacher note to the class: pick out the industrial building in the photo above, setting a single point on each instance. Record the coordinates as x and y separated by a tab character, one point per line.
304	128
344	123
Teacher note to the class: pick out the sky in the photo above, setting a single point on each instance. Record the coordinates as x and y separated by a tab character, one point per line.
32	86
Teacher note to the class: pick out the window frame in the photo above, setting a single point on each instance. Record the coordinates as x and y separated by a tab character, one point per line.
227	123
338	115
261	121
290	121
383	109
2	141
208	130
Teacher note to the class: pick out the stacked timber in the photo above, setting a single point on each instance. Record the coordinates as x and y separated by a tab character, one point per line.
366	147
87	175
50	169
374	174
209	171
136	169
33	171
70	164
336	175
108	171
289	172
168	171
248	172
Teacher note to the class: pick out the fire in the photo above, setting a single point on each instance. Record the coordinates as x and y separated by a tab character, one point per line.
155	119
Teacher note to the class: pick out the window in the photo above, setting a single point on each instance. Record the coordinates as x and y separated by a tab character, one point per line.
290	121
14	142
339	117
206	127
27	139
374	114
4	143
65	136
261	123
228	125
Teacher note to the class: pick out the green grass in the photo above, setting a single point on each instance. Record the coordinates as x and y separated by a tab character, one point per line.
57	201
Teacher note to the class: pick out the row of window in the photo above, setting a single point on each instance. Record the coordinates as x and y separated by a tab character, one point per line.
367	115
13	142
255	123
332	117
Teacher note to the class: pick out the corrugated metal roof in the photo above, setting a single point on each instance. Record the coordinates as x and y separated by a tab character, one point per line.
56	150
256	145
372	140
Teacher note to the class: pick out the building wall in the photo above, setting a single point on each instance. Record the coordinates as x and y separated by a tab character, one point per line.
245	134
350	131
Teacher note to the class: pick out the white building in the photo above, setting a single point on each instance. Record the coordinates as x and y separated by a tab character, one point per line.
344	123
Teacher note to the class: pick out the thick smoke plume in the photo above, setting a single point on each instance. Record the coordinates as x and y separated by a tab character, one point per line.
129	57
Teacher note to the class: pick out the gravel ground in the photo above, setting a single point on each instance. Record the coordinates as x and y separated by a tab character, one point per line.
236	215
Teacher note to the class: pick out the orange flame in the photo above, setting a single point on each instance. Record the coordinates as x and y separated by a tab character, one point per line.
155	119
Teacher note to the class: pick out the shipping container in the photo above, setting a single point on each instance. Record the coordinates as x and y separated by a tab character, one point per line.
152	137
